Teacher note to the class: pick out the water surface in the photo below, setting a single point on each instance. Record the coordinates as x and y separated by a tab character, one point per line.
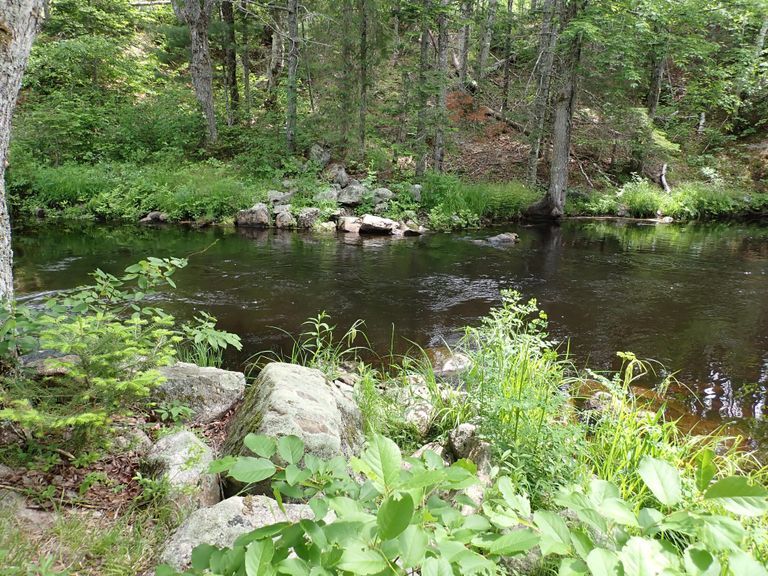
694	297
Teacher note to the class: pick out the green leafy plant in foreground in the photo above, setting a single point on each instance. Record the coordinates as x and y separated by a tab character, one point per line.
412	515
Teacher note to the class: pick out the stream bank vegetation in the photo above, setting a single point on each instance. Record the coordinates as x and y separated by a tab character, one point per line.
592	485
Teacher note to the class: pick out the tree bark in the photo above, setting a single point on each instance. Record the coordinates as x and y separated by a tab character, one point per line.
363	63
245	56
273	39
19	23
658	65
485	43
563	118
442	90
293	64
197	15
547	43
230	58
421	119
346	81
760	42
466	32
507	58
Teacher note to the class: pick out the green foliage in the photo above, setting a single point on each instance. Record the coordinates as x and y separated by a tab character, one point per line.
398	520
204	345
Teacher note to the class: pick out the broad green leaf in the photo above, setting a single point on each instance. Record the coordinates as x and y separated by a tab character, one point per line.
572	567
555	537
582	542
221	464
436	567
705	470
518	503
643	557
619	511
473	563
260	445
514	542
294	475
250	470
362	561
602	562
290	449
742	564
319	507
662	479
720	533
699	562
649	519
293	567
737	495
201	556
413	546
394	515
599	490
258	558
383	461
261	533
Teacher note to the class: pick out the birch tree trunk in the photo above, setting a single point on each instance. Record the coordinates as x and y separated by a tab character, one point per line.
485	42
363	63
421	119
466	32
442	90
543	70
197	15
293	64
245	56
760	42
19	22
230	58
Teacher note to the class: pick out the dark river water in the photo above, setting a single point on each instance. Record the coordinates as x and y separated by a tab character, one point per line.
694	297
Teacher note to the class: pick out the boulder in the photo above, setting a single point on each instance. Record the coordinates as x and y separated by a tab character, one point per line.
288	399
338	175
325	227
506	238
382	195
380	208
48	363
450	364
281	208
416	192
275	197
154	217
352	195
285	219
208	392
308	217
438	449
328	195
131	439
376	225
182	459
319	155
349	224
257	217
462	440
410	229
222	524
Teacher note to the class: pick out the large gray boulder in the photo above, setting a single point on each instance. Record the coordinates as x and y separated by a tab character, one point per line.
288	399
208	392
308	217
330	194
319	155
338	175
352	195
257	216
377	225
349	224
382	195
284	220
275	197
182	460
222	524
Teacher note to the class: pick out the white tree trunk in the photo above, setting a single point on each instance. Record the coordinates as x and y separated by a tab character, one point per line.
19	22
197	15
485	43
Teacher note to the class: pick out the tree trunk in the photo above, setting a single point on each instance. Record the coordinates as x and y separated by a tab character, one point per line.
346	81
563	119
245	56
363	63
658	65
442	91
273	39
547	44
19	22
760	42
197	15
507	58
485	42
293	64
466	31
421	119
230	58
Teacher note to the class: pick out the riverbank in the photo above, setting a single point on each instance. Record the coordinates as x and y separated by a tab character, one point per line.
214	192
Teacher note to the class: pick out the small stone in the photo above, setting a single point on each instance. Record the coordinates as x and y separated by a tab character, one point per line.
154	217
338	175
131	439
505	238
319	155
352	195
282	208
328	195
463	439
376	225
349	224
275	197
325	227
308	217
382	195
416	192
